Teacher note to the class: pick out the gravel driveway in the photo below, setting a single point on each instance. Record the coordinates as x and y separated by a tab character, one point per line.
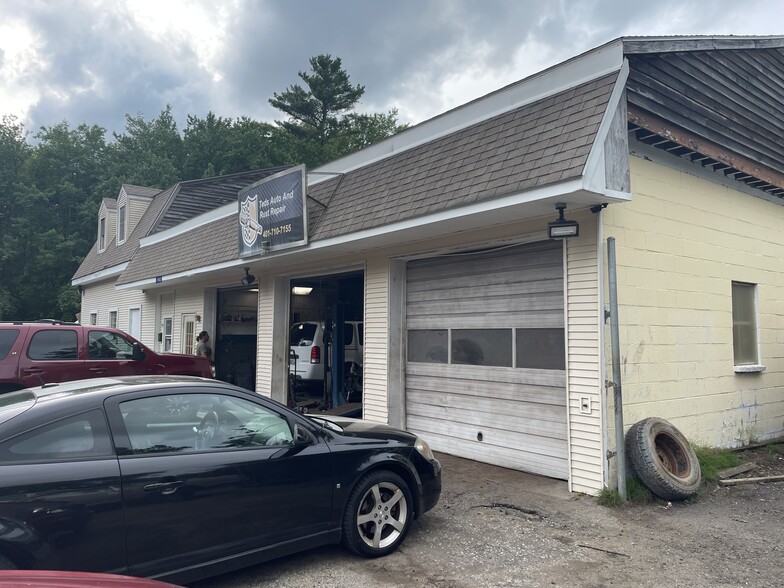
497	527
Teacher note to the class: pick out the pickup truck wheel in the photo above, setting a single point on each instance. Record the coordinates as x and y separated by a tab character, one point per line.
663	459
378	514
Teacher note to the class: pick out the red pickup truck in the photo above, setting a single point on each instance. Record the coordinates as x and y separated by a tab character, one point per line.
37	353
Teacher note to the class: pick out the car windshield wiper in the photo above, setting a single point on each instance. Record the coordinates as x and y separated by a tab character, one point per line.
326	423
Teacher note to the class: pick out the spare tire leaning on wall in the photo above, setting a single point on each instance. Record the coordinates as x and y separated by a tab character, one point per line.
663	459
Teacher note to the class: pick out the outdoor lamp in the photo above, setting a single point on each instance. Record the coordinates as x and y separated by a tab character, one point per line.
562	228
249	278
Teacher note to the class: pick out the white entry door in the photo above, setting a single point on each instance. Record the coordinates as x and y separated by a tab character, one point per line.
135	323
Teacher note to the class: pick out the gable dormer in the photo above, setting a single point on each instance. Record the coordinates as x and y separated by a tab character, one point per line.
107	223
135	200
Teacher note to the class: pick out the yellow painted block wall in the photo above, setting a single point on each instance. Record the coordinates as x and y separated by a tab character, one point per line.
680	243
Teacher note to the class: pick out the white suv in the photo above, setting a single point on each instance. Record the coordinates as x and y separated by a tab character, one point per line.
307	350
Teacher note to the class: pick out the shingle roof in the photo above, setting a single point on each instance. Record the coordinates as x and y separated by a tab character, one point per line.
170	207
115	255
211	243
109	203
540	143
133	190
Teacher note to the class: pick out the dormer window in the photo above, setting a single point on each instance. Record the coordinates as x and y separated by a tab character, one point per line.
102	234
121	225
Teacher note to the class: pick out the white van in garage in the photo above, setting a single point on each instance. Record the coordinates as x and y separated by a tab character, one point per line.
307	355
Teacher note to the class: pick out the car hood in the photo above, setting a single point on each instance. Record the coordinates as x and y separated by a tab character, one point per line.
361	428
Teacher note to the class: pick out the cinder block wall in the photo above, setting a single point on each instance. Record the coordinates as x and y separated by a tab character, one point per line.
680	243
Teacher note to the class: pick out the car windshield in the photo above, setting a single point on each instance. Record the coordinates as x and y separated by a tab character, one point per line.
15	403
302	334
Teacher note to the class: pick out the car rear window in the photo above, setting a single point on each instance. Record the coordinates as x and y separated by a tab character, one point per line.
302	334
15	403
54	344
7	339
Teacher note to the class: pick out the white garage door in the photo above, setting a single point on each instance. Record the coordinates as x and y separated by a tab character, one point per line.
485	375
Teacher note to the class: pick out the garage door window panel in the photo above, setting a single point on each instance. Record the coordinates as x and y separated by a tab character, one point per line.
542	349
428	346
487	347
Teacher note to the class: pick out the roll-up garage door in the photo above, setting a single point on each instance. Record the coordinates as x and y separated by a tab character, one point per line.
485	368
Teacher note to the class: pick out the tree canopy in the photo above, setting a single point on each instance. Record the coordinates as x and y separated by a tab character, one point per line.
51	187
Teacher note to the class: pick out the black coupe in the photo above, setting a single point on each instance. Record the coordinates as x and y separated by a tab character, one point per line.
181	478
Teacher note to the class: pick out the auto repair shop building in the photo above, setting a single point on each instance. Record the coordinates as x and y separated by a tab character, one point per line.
481	334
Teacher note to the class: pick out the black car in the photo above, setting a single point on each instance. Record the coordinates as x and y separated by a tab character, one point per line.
181	478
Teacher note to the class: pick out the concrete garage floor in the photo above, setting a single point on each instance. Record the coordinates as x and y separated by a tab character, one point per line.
501	528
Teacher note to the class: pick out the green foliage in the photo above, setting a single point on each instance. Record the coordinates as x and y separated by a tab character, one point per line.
322	125
50	192
776	449
636	491
609	498
712	460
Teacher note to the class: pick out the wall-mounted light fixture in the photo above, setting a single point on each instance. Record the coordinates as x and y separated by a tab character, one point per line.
249	278
301	290
562	228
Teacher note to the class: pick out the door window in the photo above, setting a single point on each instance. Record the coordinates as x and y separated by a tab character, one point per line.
188	334
108	345
53	344
201	422
167	334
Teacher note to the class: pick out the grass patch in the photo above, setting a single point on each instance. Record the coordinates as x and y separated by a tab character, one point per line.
609	498
713	460
776	449
636	493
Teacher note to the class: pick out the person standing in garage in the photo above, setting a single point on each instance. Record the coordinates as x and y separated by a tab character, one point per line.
203	348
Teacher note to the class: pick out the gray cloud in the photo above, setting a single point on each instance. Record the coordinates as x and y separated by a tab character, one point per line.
99	65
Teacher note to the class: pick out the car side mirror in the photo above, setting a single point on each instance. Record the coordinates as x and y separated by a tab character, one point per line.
302	436
138	352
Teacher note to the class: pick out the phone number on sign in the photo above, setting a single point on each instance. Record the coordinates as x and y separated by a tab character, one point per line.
281	230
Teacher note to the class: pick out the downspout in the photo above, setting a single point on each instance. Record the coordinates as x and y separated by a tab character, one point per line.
620	452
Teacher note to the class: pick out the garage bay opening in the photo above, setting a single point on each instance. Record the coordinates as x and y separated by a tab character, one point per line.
326	342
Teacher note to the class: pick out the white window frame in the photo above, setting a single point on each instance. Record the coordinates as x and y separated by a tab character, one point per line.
122	220
755	366
92	317
116	318
102	234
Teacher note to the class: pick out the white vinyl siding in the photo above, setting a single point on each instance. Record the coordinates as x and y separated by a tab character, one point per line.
103	298
509	416
136	208
584	321
374	371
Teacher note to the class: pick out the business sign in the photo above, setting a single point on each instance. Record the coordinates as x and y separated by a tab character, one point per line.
273	214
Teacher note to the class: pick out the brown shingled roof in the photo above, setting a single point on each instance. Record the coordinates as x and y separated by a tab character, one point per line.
109	203
133	190
534	145
540	143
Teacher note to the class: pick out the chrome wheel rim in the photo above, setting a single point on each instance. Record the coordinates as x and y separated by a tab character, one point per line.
382	515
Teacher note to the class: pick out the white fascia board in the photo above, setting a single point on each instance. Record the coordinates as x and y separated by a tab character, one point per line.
494	211
186	226
593	172
573	72
109	272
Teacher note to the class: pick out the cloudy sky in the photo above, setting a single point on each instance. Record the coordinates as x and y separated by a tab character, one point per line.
95	60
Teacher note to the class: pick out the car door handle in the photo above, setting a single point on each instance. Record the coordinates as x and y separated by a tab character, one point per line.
163	487
33	371
98	370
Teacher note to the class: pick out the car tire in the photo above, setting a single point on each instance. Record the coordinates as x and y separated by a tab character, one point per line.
378	514
6	564
663	459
